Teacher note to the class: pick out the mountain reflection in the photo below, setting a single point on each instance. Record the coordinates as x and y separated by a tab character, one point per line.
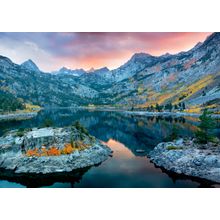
124	134
119	149
135	132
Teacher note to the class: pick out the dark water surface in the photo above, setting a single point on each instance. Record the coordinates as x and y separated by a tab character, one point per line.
124	134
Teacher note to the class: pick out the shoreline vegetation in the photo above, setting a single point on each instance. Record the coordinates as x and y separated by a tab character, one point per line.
143	112
29	113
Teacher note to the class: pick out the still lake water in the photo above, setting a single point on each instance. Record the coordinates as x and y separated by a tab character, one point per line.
124	134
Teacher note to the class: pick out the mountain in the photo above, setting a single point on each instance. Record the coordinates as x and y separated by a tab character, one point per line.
41	88
103	70
79	72
192	77
66	71
30	65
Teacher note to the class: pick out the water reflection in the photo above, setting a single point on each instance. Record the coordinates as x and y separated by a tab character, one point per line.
40	180
125	134
125	169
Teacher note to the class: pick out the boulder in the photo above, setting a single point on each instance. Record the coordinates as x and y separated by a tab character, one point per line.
191	159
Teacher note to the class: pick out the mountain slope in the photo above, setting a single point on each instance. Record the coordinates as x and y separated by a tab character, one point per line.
191	77
168	79
9	103
41	88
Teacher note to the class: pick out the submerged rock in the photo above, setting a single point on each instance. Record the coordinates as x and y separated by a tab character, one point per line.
14	151
189	158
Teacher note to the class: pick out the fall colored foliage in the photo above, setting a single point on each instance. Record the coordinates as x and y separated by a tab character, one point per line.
54	151
68	149
33	152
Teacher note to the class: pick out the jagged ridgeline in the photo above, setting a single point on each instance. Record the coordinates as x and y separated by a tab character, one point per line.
191	77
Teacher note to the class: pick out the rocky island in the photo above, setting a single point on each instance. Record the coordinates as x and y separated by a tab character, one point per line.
50	150
186	156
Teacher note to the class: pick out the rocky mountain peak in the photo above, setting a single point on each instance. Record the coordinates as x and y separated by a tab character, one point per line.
91	70
29	64
101	70
140	56
63	69
5	62
66	71
212	40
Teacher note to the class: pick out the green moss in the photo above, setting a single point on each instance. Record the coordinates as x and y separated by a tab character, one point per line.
215	140
172	147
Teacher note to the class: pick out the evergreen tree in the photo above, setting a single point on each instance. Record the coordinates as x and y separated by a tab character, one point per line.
176	107
152	108
158	107
206	124
170	107
183	106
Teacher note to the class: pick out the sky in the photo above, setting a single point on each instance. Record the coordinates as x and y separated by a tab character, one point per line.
53	50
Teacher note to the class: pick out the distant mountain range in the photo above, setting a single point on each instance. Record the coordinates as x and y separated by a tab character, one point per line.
192	77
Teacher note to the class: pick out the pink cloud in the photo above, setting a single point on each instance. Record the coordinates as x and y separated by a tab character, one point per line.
98	49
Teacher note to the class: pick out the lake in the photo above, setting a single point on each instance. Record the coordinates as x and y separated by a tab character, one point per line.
125	135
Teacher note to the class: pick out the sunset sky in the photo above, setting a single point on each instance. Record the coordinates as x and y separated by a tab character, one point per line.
51	51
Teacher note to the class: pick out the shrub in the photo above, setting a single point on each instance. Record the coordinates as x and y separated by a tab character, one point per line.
33	152
174	134
44	152
53	151
215	140
80	128
172	147
20	132
68	149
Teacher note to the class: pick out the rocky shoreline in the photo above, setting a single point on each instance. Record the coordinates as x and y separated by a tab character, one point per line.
168	114
18	116
49	154
185	156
